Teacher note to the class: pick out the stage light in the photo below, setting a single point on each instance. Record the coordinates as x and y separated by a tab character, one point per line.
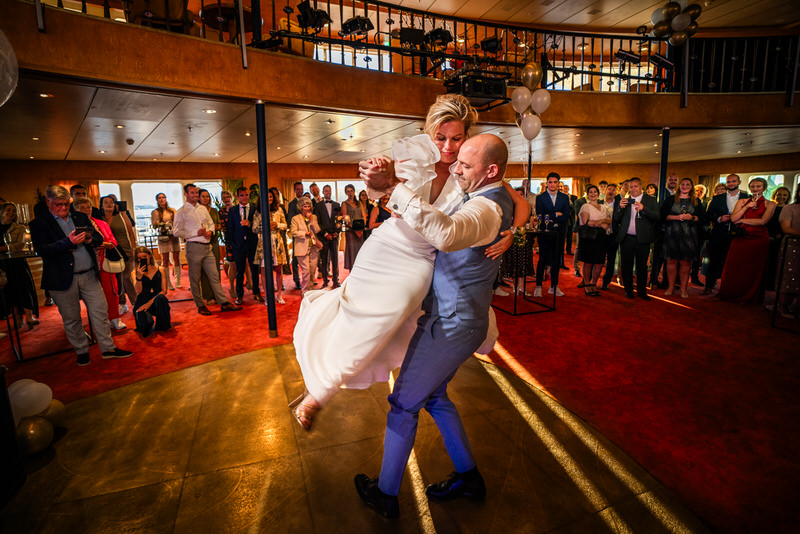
491	45
439	37
309	17
661	62
356	27
627	56
409	36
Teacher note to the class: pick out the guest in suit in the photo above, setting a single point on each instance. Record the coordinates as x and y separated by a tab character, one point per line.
554	206
78	191
66	242
243	243
453	327
291	212
611	203
328	212
571	222
719	216
638	217
306	246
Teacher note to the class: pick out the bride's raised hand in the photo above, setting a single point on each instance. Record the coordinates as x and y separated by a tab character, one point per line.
503	244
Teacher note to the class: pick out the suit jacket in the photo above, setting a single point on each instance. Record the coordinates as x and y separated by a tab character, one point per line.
646	225
241	237
716	209
302	243
55	249
327	225
292	210
544	206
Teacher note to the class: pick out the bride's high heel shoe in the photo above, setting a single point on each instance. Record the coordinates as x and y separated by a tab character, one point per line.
304	413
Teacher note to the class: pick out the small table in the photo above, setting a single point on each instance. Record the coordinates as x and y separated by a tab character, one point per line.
224	17
529	235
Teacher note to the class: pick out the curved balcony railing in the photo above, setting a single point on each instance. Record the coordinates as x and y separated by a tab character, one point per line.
375	35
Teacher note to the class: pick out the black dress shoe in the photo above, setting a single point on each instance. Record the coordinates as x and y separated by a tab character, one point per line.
202	310
371	494
630	295
469	485
707	291
336	284
83	359
644	296
117	353
227	306
696	282
258	298
564	267
238	301
48	302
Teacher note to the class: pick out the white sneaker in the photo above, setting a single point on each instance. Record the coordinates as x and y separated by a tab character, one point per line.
117	324
500	293
538	291
555	290
123	309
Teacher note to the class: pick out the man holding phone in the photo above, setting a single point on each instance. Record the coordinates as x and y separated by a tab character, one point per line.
66	242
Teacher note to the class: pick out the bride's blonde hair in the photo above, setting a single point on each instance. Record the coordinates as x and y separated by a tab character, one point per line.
450	107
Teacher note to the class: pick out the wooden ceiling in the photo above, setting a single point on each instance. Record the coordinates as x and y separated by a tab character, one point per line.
88	123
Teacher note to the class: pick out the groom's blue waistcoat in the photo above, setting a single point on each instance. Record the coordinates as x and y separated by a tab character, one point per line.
462	280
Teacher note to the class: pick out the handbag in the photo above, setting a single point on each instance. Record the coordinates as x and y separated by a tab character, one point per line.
358	225
113	262
589	232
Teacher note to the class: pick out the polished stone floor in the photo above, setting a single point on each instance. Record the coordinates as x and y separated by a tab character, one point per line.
214	449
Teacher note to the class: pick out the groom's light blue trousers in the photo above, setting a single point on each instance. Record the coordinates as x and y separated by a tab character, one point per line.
438	348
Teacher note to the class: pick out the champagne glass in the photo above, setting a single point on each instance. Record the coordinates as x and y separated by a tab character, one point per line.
7	242
546	221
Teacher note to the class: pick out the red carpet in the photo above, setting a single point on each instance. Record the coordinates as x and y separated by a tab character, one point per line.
701	393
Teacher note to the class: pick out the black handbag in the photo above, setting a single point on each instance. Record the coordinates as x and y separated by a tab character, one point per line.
589	232
358	224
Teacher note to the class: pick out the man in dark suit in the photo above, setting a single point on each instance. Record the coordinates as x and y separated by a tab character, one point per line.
243	242
570	222
66	242
554	206
292	210
718	215
327	212
638	217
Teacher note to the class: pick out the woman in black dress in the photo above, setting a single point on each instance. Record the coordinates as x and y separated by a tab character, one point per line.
151	310
20	293
681	214
379	213
594	221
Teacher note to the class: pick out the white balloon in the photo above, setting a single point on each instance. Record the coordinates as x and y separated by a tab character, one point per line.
681	22
682	3
657	16
520	99
18	384
540	101
32	399
9	69
531	126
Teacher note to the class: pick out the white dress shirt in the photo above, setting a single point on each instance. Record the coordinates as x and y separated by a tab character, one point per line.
476	223
191	218
732	199
632	224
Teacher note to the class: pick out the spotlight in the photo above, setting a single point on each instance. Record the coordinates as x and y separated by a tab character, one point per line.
661	62
309	17
356	27
439	37
491	45
627	56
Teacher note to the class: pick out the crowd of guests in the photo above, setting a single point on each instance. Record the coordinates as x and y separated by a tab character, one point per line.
734	239
91	253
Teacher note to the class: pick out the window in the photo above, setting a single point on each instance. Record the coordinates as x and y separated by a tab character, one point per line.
364	59
144	201
109	188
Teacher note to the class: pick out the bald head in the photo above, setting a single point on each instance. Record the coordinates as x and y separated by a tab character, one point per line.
481	161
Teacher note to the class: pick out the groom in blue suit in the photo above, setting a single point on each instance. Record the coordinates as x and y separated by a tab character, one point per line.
455	321
243	243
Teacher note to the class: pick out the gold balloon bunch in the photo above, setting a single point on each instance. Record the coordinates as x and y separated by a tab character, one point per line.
35	413
530	102
676	21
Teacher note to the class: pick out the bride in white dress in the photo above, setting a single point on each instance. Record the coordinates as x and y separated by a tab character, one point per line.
355	335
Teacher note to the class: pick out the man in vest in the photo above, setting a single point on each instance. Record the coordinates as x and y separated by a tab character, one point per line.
455	321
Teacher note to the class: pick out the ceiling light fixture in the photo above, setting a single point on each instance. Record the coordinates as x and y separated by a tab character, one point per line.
35	138
247	134
119	126
45	95
102	151
209	111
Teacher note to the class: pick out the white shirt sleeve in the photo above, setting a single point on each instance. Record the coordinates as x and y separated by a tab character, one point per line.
476	223
179	224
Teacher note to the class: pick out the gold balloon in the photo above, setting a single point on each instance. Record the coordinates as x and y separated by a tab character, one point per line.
670	10
692	29
693	11
661	29
34	434
55	412
531	75
677	38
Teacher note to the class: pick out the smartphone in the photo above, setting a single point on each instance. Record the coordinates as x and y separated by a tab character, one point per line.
143	264
80	229
122	205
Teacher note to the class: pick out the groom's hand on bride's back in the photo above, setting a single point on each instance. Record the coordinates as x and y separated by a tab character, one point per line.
378	174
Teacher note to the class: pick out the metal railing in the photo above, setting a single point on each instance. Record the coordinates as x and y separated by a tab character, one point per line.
414	42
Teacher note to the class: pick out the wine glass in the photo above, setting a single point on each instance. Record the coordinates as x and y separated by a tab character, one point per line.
7	242
546	221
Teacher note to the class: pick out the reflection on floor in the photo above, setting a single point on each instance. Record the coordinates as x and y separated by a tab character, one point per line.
213	448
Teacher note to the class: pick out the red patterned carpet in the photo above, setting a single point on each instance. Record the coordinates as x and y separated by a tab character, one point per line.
702	393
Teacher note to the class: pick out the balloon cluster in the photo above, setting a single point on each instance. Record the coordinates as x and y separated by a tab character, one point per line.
676	21
35	413
530	102
9	69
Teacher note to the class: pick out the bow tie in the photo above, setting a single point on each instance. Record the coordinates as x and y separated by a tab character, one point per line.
327	202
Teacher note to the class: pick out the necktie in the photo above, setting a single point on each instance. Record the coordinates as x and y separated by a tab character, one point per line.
466	197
